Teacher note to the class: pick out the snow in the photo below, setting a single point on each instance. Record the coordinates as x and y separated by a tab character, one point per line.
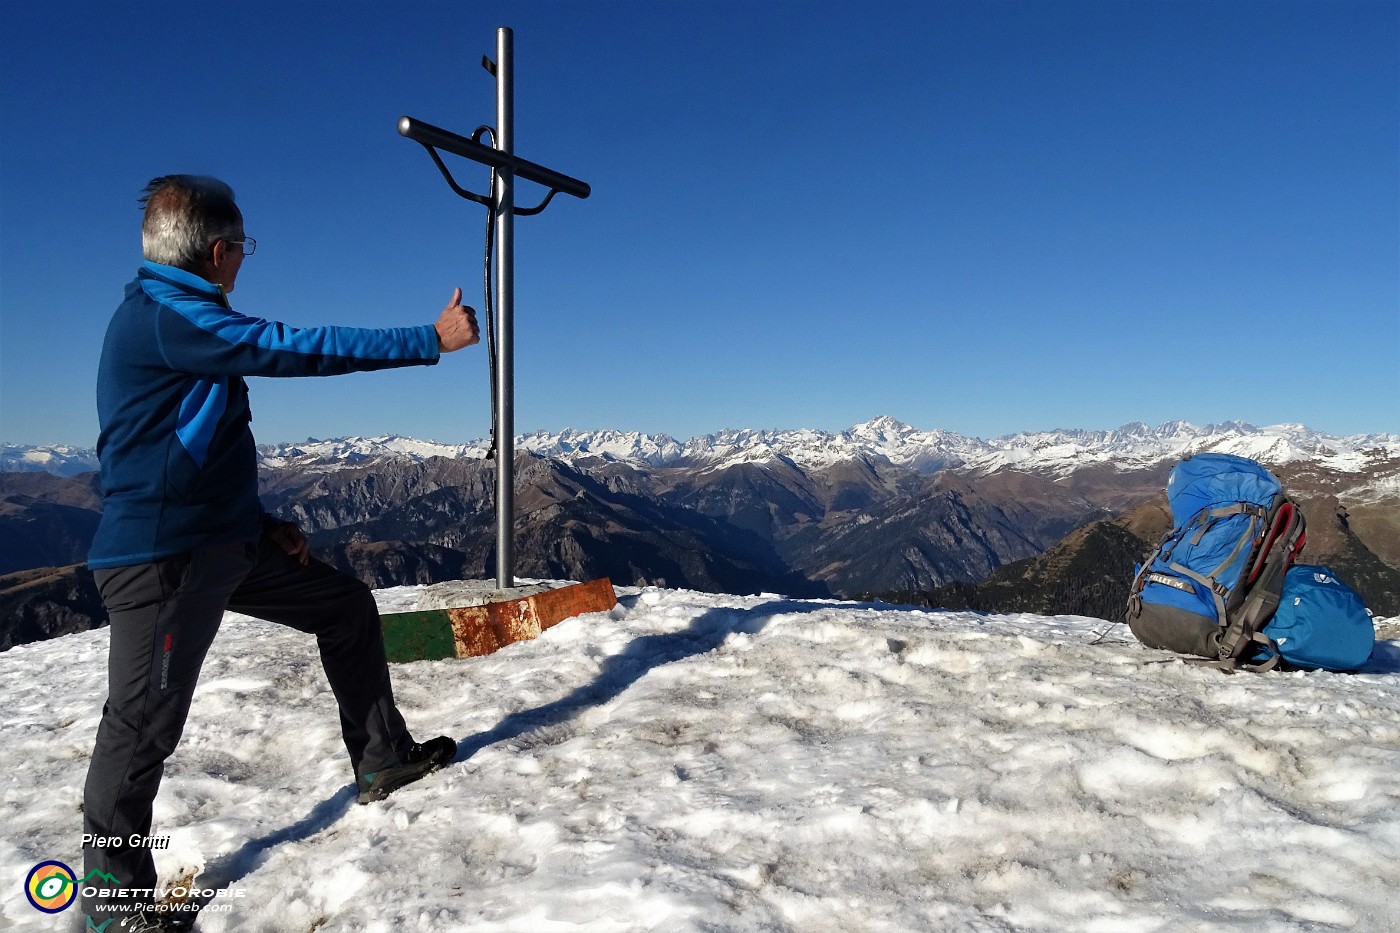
1136	446
58	459
698	762
630	446
1058	453
1379	490
359	451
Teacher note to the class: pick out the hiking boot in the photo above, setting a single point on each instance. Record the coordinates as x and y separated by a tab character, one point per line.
418	761
145	921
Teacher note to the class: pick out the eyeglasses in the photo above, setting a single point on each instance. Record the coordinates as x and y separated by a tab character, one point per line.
250	245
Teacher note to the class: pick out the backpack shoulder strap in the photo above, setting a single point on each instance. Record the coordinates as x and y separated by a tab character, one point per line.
1283	540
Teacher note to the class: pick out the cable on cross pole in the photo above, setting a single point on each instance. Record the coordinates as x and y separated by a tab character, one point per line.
490	310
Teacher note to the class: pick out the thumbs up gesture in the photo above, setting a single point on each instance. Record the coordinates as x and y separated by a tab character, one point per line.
456	326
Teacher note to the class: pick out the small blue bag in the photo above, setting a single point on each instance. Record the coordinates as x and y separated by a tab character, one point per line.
1321	622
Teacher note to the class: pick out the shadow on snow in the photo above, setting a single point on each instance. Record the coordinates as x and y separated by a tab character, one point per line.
643	654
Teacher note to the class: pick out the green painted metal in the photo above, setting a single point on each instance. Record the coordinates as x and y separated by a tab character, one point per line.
425	635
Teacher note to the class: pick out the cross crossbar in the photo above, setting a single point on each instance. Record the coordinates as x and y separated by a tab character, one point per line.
435	137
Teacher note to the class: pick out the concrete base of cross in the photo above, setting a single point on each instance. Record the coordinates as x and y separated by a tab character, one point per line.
470	618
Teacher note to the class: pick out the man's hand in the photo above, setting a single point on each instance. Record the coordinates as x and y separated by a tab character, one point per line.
456	327
289	537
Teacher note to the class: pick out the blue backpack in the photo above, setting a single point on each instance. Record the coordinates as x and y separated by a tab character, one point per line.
1320	623
1217	576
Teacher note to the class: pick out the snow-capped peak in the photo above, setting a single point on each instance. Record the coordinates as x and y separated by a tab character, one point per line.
627	446
357	451
1134	445
58	459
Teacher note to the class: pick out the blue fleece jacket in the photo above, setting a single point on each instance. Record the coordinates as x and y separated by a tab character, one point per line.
179	469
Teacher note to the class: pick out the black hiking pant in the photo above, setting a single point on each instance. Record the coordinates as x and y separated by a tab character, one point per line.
164	616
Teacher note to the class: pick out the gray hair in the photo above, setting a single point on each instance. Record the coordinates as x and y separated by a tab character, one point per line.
185	215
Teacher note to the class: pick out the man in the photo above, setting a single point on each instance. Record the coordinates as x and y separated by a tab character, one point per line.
183	537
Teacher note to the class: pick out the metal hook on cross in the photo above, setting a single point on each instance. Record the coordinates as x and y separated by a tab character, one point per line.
505	168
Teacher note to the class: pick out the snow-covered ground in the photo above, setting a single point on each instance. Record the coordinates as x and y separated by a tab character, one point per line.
693	762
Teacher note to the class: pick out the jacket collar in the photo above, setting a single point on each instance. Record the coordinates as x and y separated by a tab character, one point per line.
178	276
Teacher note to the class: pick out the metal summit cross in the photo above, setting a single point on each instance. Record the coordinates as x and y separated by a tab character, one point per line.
505	168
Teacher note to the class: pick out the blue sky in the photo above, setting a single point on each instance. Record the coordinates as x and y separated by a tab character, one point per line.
987	217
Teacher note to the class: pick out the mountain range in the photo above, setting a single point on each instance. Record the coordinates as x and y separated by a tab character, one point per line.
881	509
1060	451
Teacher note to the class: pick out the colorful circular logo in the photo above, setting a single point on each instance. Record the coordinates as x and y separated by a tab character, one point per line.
51	887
